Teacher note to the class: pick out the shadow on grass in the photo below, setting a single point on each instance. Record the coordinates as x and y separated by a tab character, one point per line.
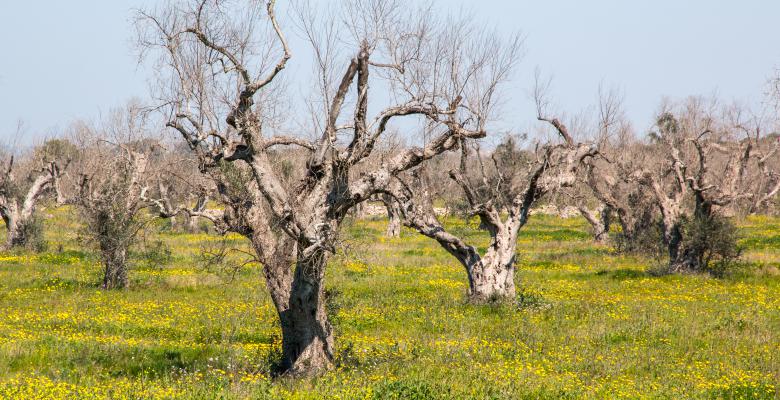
761	242
65	257
593	251
623	274
558	235
119	360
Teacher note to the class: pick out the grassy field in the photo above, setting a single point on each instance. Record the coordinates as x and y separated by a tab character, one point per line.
588	324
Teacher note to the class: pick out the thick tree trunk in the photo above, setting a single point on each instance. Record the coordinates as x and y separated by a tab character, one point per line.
681	260
13	234
600	223
307	336
393	217
685	262
299	297
393	225
18	216
115	264
491	280
16	234
492	276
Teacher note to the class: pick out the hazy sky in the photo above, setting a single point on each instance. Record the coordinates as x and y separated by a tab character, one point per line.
63	60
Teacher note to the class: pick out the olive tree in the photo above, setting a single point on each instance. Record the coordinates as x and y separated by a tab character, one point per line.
113	177
708	152
19	196
513	182
613	178
229	103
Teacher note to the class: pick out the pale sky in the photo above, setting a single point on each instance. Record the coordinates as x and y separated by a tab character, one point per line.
63	60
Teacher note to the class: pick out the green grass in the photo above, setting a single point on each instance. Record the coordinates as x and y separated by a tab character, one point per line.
588	323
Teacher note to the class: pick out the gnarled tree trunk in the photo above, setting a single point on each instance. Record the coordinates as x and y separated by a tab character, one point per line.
492	276
17	224
18	214
299	298
307	336
393	217
679	261
600	223
683	258
115	266
14	235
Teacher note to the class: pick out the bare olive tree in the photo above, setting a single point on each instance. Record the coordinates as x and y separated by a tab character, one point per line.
512	182
20	197
763	174
613	176
109	204
114	174
229	104
708	156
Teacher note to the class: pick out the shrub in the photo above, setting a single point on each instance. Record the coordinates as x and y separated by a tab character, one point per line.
531	300
646	238
31	232
156	254
711	241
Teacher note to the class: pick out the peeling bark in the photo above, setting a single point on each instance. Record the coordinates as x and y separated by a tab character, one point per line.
299	297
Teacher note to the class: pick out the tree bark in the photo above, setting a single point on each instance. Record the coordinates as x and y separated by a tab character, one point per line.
492	277
13	234
115	267
16	214
393	218
682	258
600	224
307	336
299	298
17	232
